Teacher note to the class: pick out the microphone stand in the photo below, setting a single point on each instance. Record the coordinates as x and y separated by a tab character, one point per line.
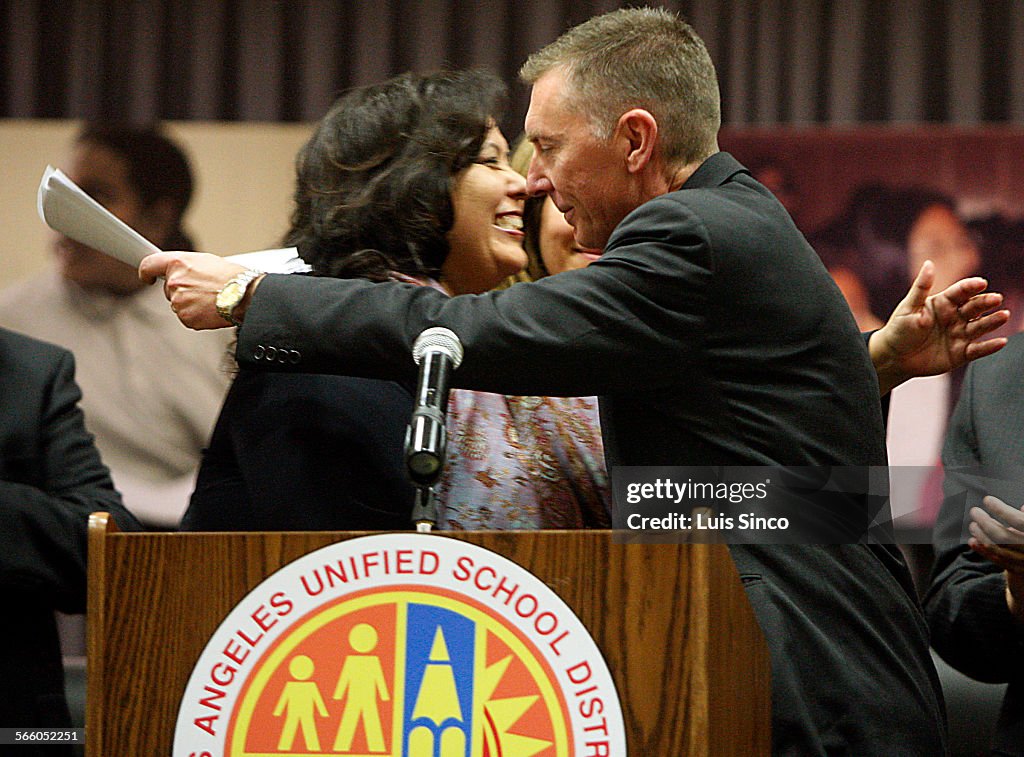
424	509
437	351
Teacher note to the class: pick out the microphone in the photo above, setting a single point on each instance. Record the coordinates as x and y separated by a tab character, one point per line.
438	352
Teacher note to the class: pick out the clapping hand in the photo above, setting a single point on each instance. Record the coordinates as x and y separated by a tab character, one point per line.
997	533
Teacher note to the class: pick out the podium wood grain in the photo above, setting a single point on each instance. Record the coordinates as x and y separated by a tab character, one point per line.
672	620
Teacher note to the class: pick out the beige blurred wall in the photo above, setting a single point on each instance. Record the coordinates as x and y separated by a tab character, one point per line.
244	176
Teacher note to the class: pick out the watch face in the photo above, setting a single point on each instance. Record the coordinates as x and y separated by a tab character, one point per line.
230	295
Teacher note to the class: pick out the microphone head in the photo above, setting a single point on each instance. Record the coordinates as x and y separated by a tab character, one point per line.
438	339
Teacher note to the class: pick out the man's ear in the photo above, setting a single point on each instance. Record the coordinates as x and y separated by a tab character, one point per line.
639	129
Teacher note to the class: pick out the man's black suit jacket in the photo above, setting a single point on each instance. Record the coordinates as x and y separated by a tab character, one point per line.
714	336
51	479
972	628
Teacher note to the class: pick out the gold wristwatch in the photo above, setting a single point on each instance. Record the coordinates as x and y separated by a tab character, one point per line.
232	293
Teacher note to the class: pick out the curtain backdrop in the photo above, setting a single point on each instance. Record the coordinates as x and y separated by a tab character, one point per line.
779	61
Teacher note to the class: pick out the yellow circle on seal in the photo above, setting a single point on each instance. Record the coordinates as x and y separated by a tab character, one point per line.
405	671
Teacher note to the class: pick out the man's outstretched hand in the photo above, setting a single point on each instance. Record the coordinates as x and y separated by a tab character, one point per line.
191	283
928	334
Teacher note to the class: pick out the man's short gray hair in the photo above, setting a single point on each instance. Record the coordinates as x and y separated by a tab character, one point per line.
639	58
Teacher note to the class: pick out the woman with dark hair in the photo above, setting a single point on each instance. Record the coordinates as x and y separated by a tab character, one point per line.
374	188
406	180
151	392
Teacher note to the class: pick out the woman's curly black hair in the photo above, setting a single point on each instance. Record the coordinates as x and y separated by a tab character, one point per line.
374	182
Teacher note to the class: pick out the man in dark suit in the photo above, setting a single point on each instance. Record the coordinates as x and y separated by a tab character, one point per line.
710	329
975	604
51	479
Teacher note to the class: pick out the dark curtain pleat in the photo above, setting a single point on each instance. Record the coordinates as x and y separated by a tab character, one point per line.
996	30
824	67
115	62
291	60
936	82
259	69
144	44
342	67
371	42
5	103
576	13
228	70
287	60
875	81
735	106
309	62
751	71
786	62
175	70
722	34
399	52
52	81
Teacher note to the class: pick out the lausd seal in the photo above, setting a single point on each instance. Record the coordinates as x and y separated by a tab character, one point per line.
406	645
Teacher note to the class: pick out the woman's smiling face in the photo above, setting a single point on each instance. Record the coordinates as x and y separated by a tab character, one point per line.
486	241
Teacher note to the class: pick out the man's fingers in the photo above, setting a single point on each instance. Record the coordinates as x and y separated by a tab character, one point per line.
154	266
981	533
962	291
922	285
995	533
989	530
976	350
1004	513
979	304
985	528
987	323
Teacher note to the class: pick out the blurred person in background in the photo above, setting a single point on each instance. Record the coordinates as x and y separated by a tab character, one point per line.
151	390
975	598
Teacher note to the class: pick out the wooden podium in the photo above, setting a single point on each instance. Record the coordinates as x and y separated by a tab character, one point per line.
672	620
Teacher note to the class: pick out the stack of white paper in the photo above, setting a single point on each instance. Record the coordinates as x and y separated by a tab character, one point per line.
64	207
